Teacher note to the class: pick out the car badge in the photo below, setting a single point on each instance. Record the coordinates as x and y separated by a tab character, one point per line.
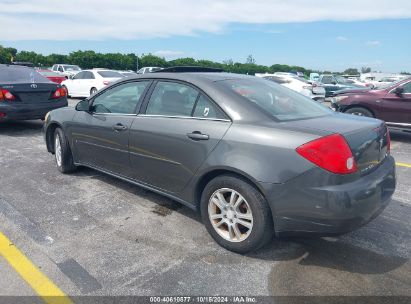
33	85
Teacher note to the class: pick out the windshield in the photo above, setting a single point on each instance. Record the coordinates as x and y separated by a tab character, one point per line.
20	75
282	103
110	74
71	68
390	84
50	73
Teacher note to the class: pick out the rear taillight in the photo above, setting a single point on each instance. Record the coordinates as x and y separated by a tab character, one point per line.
60	92
331	153
388	141
105	82
6	95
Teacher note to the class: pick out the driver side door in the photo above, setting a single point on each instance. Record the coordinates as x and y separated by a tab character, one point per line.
101	136
397	108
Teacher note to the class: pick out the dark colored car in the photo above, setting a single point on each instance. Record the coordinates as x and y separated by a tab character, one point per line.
26	94
334	83
52	76
391	103
254	157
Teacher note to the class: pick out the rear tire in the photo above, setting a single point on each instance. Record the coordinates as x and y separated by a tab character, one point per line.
62	152
236	214
360	111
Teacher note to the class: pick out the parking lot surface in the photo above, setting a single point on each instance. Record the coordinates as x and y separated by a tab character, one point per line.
92	234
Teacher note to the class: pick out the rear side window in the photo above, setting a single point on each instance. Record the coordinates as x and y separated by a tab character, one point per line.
122	99
407	88
20	75
207	109
327	79
88	75
172	99
276	100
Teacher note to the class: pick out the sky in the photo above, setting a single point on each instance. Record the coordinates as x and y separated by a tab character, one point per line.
321	34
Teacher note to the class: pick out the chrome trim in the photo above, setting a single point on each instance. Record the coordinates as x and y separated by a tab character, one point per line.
183	117
398	124
112	114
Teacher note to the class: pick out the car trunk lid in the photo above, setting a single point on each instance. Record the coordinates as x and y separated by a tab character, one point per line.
29	93
368	138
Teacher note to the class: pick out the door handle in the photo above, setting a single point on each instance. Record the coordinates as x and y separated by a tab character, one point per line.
119	127
197	135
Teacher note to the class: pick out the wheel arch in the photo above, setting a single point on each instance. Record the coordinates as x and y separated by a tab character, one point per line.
213	173
51	128
359	106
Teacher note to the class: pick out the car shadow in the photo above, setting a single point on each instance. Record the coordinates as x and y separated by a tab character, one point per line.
21	128
401	136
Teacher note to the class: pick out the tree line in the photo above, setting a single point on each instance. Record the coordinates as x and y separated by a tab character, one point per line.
118	61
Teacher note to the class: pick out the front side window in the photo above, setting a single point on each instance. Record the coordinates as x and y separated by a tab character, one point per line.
172	99
281	103
407	88
122	99
79	76
110	74
88	75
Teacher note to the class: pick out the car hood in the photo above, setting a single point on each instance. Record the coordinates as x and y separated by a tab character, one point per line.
358	91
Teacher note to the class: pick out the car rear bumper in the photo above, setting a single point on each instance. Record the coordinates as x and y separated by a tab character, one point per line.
16	111
300	207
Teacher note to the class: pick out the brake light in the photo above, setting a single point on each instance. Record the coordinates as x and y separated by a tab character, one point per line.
6	95
105	82
331	153
60	92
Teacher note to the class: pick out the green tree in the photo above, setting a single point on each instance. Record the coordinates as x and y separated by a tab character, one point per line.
351	71
250	59
365	70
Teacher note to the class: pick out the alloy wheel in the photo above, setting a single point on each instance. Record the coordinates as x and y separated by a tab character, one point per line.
230	215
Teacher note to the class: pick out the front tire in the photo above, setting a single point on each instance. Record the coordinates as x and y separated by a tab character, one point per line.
360	111
93	91
236	214
62	152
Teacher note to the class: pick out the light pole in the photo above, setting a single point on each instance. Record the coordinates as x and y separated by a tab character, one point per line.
137	62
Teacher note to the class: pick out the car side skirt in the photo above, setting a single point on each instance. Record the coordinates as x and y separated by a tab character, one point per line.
145	186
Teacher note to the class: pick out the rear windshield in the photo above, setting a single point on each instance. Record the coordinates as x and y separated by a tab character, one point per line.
71	68
20	75
110	74
280	102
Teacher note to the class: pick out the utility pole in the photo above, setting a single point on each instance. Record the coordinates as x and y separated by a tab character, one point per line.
137	62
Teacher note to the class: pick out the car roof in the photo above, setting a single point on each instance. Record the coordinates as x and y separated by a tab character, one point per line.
193	77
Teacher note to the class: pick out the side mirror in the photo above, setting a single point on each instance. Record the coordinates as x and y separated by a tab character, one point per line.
71	76
398	91
83	106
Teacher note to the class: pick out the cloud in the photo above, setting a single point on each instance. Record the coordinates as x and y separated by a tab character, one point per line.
168	53
341	38
127	19
373	43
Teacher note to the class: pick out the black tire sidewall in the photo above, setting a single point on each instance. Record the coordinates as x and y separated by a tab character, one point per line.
365	112
262	219
67	164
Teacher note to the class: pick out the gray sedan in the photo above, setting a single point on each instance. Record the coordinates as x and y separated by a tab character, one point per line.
255	158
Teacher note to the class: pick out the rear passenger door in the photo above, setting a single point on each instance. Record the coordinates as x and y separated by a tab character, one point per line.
178	128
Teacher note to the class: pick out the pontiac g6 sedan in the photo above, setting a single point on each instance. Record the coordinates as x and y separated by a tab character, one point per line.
253	157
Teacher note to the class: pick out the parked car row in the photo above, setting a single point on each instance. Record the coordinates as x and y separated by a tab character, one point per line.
254	157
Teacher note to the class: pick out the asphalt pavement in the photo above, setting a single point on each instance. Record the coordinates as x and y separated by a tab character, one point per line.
92	234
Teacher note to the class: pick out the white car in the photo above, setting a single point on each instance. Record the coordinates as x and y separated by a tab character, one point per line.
359	83
88	82
148	70
308	88
66	69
